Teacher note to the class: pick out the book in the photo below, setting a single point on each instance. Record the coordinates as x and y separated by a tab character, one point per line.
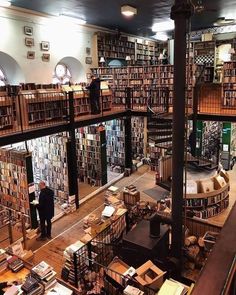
42	269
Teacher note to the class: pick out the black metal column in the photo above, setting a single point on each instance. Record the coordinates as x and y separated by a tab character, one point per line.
71	154
180	12
128	143
195	111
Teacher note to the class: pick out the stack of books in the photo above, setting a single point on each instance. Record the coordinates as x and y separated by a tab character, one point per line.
32	287
44	274
15	263
3	260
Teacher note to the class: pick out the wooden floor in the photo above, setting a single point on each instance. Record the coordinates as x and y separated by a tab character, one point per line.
69	229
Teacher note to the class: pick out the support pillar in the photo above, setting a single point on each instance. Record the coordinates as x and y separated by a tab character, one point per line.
71	154
180	13
128	143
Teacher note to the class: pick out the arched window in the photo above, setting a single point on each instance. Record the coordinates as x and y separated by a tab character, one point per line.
62	74
3	79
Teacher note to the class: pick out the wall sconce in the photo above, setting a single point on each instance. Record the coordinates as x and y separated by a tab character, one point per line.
102	61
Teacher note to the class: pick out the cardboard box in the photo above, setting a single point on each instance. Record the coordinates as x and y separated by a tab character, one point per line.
115	268
149	274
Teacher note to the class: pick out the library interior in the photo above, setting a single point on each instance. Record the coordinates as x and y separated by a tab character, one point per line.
117	147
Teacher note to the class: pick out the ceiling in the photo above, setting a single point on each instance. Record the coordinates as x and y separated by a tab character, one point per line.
106	13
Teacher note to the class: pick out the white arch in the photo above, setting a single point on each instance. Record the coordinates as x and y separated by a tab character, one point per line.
76	68
11	68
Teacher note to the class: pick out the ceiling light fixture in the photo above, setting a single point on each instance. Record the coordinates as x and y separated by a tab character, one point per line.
163	26
222	21
161	36
5	3
76	20
128	10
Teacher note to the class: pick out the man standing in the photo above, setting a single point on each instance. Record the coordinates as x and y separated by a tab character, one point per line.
94	95
46	211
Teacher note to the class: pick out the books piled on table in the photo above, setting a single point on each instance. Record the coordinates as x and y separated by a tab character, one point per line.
32	287
15	263
13	290
130	290
44	274
3	260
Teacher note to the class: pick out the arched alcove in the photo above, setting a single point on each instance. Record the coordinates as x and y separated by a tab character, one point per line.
116	63
75	67
11	68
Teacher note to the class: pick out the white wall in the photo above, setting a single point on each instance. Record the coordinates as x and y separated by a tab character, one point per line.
66	40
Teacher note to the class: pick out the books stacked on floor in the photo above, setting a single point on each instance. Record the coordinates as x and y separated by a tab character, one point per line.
59	289
130	290
44	274
15	264
13	290
172	287
32	287
3	260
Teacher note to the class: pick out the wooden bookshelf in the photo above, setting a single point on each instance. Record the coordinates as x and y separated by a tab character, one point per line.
112	46
210	198
106	98
49	158
43	106
81	103
16	185
154	156
91	155
141	79
229	85
6	112
138	137
115	135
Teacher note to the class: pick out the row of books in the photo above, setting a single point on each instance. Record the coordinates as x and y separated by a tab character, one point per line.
213	210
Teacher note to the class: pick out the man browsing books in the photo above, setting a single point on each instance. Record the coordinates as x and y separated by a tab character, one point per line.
46	211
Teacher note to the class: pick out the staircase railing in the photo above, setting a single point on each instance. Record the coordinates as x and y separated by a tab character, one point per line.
158	100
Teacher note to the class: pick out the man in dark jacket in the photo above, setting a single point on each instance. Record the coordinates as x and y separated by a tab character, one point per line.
94	95
46	210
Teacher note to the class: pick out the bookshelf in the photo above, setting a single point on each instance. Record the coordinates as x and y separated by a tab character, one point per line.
106	98
112	46
115	136
154	155
138	137
7	118
81	103
229	85
91	155
43	106
49	154
16	185
141	79
208	197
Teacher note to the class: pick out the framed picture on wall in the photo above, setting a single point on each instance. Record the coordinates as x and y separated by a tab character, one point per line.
45	45
88	60
31	54
46	57
29	42
88	50
28	30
